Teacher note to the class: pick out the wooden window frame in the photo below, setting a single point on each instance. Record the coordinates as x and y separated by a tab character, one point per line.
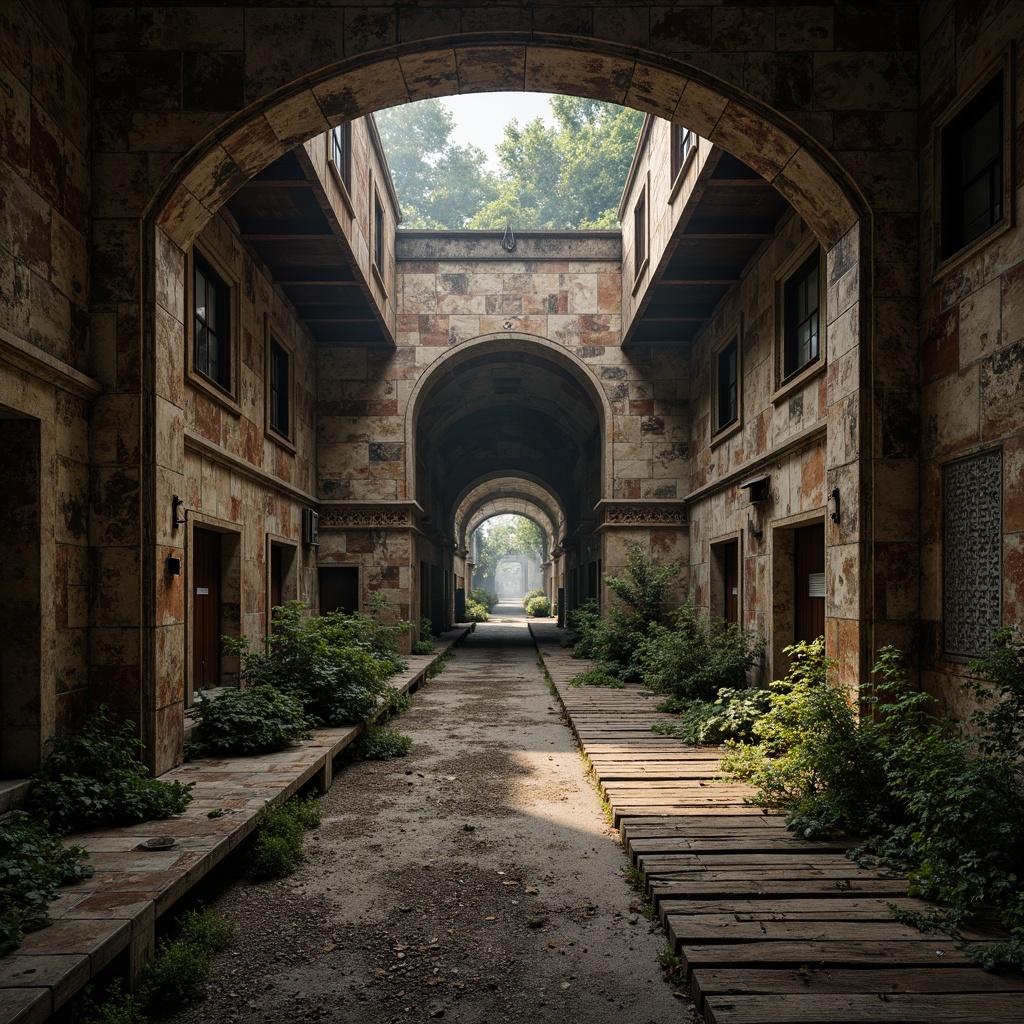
224	390
286	435
378	251
787	382
641	237
341	147
682	150
945	133
719	430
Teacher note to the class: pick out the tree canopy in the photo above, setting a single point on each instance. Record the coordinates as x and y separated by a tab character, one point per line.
506	535
569	175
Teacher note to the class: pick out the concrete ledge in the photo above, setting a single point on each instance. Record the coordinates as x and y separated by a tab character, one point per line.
115	911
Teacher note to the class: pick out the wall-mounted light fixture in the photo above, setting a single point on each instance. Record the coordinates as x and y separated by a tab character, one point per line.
178	514
173	566
834	498
757	489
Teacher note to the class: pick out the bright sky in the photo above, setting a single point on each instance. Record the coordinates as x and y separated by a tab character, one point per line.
480	118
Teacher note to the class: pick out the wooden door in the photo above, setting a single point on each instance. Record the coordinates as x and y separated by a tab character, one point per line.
206	603
731	581
809	566
339	589
276	575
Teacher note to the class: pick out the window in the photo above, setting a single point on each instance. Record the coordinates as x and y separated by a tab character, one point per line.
972	170
972	552
802	328
728	385
211	344
341	152
640	235
280	389
682	143
378	234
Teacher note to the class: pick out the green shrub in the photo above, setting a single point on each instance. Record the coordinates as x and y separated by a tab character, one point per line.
277	847
694	657
249	721
583	626
336	665
33	864
181	967
427	640
538	607
394	703
483	596
476	612
380	743
94	777
530	595
117	1007
597	676
730	716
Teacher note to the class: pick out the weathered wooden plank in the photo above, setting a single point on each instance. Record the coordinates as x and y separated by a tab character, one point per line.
716	885
832	953
725	928
759	981
823	1008
831	908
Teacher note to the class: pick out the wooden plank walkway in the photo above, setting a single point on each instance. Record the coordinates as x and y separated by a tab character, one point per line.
772	928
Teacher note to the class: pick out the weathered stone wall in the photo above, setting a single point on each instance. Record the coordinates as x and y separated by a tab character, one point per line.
780	433
972	328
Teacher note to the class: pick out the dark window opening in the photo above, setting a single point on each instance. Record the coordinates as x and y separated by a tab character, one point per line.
802	309
341	152
378	235
211	347
339	589
682	143
728	385
972	170
640	234
279	389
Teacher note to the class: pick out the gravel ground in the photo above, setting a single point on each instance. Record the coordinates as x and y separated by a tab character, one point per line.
475	880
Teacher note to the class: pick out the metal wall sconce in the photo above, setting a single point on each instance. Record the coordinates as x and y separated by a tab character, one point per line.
177	514
173	566
834	498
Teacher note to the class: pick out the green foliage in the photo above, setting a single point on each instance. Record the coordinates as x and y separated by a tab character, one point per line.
946	805
501	536
583	628
439	183
33	864
530	595
597	676
117	1007
427	640
476	612
730	716
277	847
95	778
538	607
336	665
569	175
181	967
380	743
482	596
249	721
393	703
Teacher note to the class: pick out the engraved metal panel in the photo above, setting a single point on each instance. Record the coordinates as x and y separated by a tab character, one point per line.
972	552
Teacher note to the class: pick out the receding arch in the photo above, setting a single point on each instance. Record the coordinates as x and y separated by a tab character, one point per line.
504	494
784	154
509	343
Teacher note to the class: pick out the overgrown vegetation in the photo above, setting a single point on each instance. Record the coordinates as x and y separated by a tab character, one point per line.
250	721
427	640
182	966
335	665
33	865
476	612
530	595
277	846
379	743
117	1007
538	607
730	716
482	596
945	803
597	676
95	777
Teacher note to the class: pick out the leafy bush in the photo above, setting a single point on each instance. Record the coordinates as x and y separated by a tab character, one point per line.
94	778
538	607
730	716
380	743
277	848
694	656
583	626
250	721
394	703
483	596
476	612
427	640
945	804
597	676
206	928
530	595
336	665
117	1007
33	863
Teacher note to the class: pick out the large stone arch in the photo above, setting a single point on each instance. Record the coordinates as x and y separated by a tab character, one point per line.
518	495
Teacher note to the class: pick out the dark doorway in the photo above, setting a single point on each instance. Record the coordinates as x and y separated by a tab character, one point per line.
339	589
731	581
206	609
276	575
809	565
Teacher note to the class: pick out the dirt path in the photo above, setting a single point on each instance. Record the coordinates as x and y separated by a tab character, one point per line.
475	880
